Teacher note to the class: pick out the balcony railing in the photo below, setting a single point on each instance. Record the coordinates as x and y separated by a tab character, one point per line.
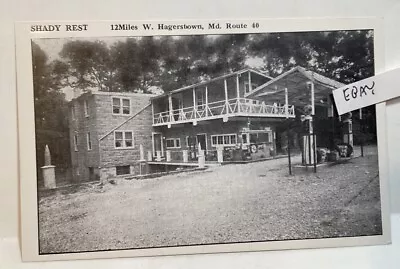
221	109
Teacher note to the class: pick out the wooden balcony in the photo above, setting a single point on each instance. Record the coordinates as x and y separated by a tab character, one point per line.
222	109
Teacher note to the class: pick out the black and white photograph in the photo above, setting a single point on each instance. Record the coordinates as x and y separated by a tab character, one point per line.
153	142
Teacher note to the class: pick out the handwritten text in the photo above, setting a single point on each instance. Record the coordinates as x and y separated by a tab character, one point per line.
355	92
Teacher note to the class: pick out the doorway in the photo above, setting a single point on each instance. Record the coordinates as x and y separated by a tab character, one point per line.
202	140
157	143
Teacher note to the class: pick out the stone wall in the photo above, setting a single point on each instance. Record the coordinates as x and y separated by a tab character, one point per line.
100	123
81	125
141	126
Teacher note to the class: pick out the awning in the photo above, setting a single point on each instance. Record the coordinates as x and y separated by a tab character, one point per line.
299	94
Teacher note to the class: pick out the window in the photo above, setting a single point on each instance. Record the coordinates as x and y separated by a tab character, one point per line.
233	139
264	137
89	141
86	108
225	140
257	137
122	170
247	87
121	106
245	140
191	141
76	142
173	142
123	139
254	138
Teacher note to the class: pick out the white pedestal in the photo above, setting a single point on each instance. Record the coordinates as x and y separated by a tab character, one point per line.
158	156
308	149
348	132
49	176
201	159
348	139
185	156
220	154
149	156
142	168
168	155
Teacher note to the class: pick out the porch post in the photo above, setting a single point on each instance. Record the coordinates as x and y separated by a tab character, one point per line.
312	132
152	111
314	141
330	108
162	145
286	103
250	86
152	144
312	97
362	133
171	116
238	92
194	104
237	87
226	96
288	141
206	101
331	114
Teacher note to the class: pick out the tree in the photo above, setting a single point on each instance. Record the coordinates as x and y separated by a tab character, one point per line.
169	62
50	110
190	59
346	56
137	63
90	65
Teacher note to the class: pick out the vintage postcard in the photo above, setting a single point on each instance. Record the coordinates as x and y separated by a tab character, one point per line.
151	138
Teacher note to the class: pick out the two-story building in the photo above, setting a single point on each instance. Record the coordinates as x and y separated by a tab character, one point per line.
218	113
114	133
106	129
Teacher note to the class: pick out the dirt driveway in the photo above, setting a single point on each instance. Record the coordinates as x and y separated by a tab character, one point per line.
231	203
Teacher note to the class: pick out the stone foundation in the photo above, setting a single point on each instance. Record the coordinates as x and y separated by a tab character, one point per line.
107	173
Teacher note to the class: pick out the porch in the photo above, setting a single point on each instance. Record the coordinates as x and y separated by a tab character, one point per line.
220	97
223	109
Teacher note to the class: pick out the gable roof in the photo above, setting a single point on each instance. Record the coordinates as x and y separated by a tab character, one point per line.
116	94
289	76
294	80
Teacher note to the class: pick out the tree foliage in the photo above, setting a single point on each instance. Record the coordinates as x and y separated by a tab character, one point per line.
170	62
346	56
91	65
50	109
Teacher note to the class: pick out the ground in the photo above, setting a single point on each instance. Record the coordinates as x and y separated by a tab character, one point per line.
230	203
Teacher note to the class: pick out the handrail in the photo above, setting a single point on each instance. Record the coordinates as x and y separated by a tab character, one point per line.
221	108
